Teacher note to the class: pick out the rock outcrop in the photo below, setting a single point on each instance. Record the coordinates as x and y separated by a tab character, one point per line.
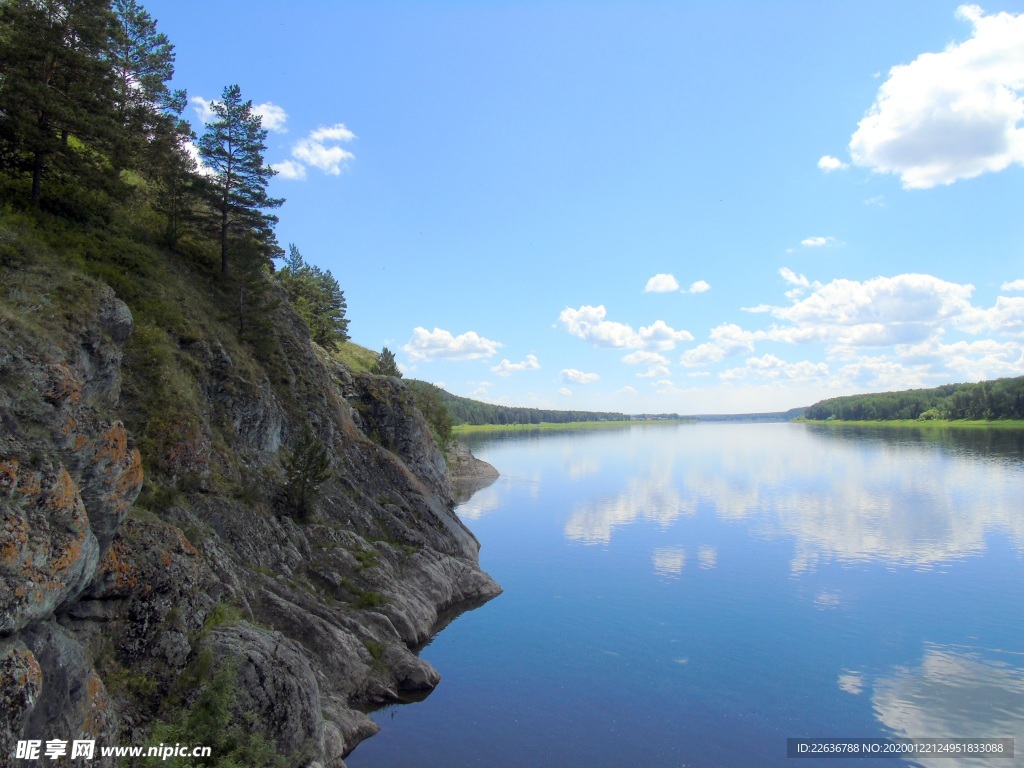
114	608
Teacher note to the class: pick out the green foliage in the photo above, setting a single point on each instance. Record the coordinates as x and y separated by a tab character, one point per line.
56	93
985	400
306	467
232	148
431	405
255	301
316	296
463	410
386	365
209	720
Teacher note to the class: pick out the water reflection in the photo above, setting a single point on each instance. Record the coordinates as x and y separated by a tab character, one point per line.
956	692
648	497
848	496
669	561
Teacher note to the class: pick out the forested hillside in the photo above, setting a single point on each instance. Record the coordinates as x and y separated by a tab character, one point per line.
215	531
998	399
464	410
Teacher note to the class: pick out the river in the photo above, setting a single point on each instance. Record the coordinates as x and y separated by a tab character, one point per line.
697	594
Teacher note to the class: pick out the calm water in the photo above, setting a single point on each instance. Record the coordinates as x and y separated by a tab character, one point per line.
692	595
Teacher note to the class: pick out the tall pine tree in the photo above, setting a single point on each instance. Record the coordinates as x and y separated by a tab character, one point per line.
232	149
56	88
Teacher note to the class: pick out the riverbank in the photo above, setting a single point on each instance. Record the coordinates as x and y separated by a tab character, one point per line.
924	424
463	429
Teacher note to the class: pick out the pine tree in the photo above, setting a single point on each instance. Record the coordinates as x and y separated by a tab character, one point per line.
142	61
386	365
56	94
317	297
232	149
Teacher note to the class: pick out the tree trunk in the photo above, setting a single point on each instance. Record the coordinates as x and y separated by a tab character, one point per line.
224	242
37	178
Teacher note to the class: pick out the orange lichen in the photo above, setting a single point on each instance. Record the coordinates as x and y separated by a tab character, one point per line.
64	493
64	385
114	445
8	474
120	566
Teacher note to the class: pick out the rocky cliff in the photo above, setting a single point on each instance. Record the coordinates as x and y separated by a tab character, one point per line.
132	580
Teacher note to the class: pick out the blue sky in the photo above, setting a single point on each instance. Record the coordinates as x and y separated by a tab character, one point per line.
645	206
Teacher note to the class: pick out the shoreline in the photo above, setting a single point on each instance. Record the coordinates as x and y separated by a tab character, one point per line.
924	424
548	425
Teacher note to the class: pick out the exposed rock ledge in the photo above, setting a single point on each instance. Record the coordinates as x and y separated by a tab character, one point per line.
108	609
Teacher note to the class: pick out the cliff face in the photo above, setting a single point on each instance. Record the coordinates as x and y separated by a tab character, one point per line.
116	608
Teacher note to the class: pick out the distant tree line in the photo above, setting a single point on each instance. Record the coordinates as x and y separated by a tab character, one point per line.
90	126
464	410
998	399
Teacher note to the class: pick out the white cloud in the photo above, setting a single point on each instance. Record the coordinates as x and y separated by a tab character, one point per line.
644	358
793	278
772	369
193	152
726	340
272	117
289	169
626	390
700	286
878	200
878	312
505	367
828	164
441	344
817	242
321	148
565	391
656	364
950	115
661	283
203	108
589	324
578	377
1016	285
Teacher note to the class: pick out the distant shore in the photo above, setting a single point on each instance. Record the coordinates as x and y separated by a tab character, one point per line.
547	425
923	423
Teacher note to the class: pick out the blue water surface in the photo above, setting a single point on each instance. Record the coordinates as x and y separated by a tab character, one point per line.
695	594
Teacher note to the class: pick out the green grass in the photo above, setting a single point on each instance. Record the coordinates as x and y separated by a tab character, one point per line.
546	426
355	357
927	423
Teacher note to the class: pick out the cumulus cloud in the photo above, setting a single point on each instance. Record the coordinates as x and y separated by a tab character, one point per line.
699	287
950	115
793	278
657	365
662	283
272	117
877	312
505	367
565	391
817	242
1016	285
322	148
828	164
726	340
442	345
770	368
571	375
288	169
203	108
589	324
